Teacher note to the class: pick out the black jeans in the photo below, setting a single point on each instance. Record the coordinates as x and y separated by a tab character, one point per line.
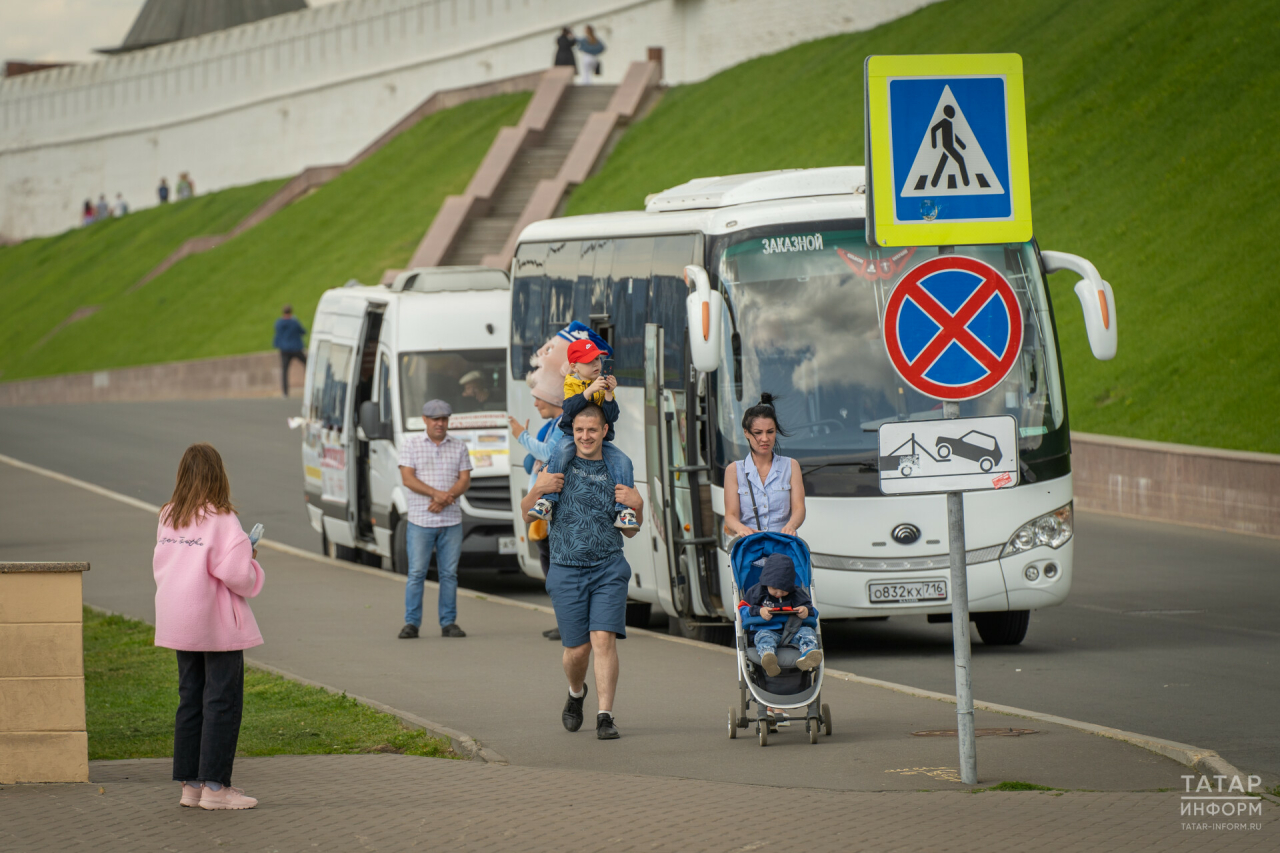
286	358
210	702
544	553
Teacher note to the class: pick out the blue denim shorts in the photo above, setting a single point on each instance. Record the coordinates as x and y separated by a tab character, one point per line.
589	598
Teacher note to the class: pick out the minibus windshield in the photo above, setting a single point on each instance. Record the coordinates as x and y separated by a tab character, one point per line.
803	311
470	380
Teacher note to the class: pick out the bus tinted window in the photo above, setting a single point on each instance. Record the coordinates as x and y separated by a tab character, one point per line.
629	275
329	387
562	280
528	314
667	301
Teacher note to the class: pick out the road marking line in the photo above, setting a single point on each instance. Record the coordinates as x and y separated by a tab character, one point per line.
1206	761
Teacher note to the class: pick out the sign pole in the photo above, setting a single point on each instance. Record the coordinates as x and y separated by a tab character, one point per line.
960	627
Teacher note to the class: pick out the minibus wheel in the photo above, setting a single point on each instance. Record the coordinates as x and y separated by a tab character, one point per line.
400	547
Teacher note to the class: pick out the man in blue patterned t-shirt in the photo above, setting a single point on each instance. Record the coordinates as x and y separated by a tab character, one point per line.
588	577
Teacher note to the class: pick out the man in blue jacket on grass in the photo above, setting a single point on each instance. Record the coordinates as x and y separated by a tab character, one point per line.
288	340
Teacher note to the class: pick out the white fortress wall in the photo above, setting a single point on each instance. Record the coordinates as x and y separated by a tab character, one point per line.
313	87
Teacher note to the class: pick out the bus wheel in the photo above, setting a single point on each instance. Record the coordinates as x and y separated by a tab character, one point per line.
400	548
721	635
1003	629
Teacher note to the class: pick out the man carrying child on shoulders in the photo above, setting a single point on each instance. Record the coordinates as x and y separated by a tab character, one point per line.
589	575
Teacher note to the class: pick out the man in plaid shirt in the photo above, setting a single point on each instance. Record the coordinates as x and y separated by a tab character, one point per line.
436	469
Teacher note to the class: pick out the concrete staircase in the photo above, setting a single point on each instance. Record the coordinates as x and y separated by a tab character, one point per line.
485	235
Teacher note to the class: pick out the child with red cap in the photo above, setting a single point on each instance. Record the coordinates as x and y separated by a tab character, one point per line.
584	385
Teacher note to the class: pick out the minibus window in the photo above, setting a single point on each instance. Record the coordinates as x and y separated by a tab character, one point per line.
332	376
468	380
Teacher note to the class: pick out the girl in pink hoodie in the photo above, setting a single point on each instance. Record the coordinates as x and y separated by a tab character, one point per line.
205	568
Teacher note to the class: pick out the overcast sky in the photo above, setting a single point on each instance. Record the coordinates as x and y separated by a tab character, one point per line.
67	30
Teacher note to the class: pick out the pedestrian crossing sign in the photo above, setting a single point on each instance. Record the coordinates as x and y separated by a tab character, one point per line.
946	143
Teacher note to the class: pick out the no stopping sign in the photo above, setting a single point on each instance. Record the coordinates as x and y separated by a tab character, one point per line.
953	328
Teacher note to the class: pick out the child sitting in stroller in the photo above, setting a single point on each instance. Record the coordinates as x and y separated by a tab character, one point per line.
776	595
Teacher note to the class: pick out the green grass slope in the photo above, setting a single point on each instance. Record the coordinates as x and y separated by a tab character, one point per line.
224	302
1153	134
43	281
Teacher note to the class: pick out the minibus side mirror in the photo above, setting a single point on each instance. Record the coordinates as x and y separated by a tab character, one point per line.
369	422
1096	299
704	307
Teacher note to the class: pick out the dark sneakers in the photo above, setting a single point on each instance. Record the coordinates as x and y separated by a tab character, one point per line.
572	715
605	729
409	632
553	634
452	630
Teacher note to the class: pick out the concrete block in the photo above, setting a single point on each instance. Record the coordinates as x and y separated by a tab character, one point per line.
44	757
42	704
40	597
42	649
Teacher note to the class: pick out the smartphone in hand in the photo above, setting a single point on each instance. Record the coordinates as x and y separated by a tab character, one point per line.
255	534
606	367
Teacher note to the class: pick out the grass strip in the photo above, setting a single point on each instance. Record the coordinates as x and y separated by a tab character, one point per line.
131	694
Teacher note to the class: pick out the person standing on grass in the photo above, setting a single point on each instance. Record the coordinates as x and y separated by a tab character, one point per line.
288	339
205	567
588	577
436	469
162	191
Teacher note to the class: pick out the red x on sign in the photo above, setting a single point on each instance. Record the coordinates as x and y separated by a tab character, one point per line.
953	328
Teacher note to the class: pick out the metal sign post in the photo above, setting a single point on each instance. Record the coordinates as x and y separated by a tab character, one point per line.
960	627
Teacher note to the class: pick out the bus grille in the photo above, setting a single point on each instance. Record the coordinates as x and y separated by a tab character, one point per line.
490	493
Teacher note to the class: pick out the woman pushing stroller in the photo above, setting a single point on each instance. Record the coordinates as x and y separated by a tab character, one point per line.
765	490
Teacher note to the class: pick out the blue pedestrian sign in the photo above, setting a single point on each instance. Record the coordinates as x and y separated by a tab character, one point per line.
946	144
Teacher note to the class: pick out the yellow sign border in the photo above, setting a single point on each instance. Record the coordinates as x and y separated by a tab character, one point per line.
887	231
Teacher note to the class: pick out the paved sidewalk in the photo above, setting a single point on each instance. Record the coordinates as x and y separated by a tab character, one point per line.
395	802
503	684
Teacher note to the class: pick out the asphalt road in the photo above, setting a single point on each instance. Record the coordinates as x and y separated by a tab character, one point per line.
1169	631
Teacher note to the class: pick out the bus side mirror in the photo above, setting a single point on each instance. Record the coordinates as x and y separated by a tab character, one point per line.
1096	300
370	423
704	307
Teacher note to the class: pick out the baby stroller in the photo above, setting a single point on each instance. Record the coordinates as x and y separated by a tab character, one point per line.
792	688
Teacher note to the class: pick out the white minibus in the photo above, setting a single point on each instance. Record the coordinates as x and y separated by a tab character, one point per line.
786	297
376	355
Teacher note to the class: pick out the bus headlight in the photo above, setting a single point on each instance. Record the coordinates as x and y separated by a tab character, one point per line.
1052	529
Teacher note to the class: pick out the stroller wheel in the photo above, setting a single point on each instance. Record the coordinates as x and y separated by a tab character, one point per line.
764	735
826	719
813	731
733	724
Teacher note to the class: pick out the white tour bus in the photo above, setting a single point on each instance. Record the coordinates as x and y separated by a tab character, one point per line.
377	354
785	296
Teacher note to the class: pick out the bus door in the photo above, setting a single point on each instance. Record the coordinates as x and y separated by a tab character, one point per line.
686	568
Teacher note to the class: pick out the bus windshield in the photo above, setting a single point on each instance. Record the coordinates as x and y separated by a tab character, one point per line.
471	380
803	311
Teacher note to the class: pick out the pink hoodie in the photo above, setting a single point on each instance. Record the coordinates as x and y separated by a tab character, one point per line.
204	573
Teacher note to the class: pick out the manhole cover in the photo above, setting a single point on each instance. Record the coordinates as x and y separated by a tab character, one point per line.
976	732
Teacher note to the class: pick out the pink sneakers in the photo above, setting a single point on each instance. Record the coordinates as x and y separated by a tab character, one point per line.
190	795
227	798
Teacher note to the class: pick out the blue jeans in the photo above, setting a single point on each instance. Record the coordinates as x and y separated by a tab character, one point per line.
447	542
806	640
618	463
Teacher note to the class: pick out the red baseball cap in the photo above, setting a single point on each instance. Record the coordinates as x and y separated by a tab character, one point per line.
583	351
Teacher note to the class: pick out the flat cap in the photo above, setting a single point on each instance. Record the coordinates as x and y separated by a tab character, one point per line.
436	409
